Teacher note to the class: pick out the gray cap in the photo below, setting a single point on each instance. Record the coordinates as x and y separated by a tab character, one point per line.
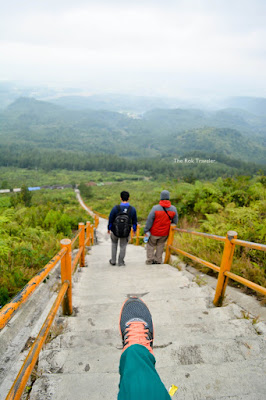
165	195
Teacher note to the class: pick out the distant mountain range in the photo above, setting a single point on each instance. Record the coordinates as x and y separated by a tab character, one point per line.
138	104
78	99
164	133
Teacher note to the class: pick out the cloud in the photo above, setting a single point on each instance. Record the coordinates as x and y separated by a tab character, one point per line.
136	44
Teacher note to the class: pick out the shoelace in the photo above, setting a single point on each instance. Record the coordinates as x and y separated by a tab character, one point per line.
136	333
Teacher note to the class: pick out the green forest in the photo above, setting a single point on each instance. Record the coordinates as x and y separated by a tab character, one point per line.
40	135
45	144
31	227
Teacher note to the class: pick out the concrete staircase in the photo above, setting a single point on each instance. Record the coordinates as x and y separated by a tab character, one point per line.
208	352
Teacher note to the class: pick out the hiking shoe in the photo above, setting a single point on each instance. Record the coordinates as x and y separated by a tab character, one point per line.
135	324
111	262
156	262
147	262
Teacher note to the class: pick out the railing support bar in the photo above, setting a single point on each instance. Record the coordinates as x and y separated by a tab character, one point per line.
226	263
66	275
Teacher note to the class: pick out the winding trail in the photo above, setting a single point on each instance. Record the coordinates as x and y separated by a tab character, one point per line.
81	202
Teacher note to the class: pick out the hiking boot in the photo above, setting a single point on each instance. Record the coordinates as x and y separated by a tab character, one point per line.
148	262
135	324
111	262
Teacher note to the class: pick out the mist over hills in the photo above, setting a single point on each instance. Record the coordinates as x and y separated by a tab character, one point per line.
256	106
80	99
250	125
162	134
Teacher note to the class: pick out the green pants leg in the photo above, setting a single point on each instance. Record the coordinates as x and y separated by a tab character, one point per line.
139	379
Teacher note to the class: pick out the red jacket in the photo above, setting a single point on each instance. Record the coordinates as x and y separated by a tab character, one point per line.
158	222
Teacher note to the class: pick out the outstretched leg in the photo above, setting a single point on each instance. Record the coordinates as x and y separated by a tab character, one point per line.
138	376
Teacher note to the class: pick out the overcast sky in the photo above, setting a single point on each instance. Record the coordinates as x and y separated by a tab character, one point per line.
167	47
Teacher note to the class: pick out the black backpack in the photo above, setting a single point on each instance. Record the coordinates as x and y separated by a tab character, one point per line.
122	222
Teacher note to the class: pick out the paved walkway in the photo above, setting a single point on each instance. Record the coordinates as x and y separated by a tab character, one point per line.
209	353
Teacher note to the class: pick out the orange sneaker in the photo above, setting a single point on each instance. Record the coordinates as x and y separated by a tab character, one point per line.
135	324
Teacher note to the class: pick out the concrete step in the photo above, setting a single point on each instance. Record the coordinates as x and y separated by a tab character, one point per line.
236	380
239	380
91	386
101	353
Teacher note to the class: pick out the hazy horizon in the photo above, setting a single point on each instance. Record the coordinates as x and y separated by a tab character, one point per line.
182	49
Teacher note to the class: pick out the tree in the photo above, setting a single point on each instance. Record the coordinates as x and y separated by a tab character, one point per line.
85	190
25	196
4	185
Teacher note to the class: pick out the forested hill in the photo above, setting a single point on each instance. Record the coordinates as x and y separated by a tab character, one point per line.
246	123
37	126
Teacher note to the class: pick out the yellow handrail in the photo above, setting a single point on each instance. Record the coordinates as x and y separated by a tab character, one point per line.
197	259
85	235
9	309
18	386
251	245
224	270
230	241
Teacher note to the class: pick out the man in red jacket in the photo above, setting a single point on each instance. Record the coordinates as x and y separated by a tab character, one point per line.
158	224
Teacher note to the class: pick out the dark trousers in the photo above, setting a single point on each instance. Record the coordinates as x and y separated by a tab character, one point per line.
123	245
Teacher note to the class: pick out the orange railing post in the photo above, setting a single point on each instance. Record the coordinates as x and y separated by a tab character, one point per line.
169	243
226	263
82	244
137	239
88	237
66	276
131	235
96	218
92	234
